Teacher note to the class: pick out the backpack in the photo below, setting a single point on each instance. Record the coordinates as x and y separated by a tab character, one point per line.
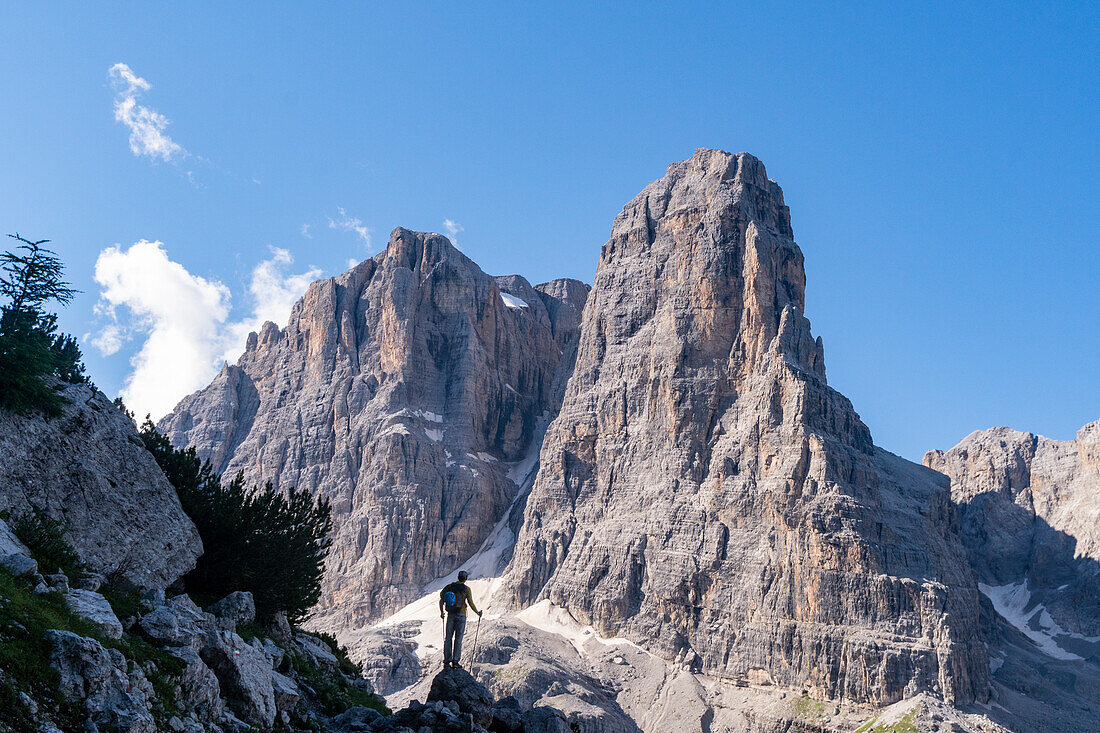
451	599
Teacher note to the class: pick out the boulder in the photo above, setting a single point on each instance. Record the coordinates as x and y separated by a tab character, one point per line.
9	543
177	622
93	607
236	609
356	719
109	696
89	469
316	650
286	691
199	688
472	697
19	565
245	675
507	716
545	719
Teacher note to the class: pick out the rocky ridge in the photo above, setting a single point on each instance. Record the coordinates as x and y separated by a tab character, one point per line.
402	390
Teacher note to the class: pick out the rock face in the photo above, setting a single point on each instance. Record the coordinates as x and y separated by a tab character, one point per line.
704	493
401	390
89	469
1029	509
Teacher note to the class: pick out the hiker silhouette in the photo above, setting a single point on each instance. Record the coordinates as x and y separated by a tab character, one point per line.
453	600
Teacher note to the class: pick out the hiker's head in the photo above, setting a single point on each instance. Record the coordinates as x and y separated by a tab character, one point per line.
462	575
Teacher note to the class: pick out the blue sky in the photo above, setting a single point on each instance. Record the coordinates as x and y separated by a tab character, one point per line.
940	162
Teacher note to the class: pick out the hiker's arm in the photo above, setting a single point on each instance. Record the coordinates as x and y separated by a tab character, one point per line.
470	598
441	615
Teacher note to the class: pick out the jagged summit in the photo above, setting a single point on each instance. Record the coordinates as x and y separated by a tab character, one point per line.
704	493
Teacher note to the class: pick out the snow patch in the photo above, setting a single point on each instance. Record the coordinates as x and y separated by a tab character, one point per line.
552	619
512	301
429	415
485	457
434	435
1013	603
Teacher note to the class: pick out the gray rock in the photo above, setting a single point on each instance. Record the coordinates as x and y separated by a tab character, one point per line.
93	607
1028	509
199	687
58	582
9	543
97	678
19	565
316	651
472	697
286	691
545	719
236	609
703	491
402	389
89	469
245	676
178	622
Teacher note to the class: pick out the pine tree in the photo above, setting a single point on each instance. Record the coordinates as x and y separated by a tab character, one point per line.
30	347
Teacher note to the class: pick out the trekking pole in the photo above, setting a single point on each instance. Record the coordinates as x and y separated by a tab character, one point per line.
473	651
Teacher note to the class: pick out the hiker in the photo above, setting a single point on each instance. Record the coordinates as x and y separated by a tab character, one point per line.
453	599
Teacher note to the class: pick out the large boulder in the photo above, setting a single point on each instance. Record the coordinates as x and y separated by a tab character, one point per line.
472	697
109	695
88	469
93	607
245	675
178	622
236	609
199	688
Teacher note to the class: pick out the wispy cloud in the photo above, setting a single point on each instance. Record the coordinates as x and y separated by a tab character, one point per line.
147	136
453	228
347	223
182	318
305	231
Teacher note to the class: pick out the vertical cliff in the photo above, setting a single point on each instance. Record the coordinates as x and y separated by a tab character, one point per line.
703	491
402	390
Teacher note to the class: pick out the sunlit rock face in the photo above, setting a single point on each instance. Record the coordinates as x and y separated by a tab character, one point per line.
400	390
703	491
1029	510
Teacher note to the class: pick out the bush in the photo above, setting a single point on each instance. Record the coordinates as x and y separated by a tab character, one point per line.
31	350
270	543
45	538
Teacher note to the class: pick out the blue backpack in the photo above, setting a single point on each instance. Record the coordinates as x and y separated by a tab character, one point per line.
450	599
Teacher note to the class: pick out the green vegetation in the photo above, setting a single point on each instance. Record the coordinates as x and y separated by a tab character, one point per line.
45	538
907	724
805	707
25	617
31	349
334	693
265	541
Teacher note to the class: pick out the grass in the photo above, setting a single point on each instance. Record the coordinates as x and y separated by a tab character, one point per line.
25	617
905	725
805	707
334	693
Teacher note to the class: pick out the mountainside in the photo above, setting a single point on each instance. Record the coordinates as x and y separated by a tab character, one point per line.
705	494
403	390
89	470
1029	509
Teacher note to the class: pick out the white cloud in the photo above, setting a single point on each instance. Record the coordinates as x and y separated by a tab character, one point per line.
350	224
184	319
453	228
305	231
352	262
146	125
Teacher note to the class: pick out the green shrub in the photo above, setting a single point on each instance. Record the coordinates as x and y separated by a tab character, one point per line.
334	693
31	350
268	542
45	537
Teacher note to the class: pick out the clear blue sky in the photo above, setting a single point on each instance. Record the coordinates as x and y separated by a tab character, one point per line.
940	162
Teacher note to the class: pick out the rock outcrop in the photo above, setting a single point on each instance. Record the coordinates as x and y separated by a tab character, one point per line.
402	390
1029	511
704	493
89	470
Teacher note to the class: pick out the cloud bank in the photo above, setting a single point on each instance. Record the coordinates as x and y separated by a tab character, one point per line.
147	136
182	319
